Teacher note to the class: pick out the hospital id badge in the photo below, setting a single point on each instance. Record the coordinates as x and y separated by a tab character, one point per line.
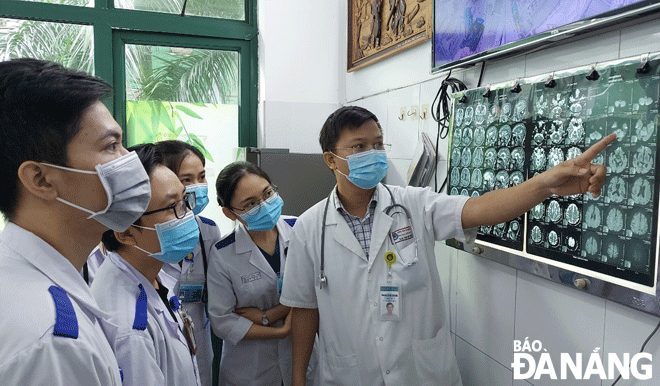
191	288
390	302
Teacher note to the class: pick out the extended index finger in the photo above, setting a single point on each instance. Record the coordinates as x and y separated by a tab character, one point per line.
596	148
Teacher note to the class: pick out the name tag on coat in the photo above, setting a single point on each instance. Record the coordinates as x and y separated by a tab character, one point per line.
251	277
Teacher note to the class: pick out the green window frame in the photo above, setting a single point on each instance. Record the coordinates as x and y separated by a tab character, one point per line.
113	28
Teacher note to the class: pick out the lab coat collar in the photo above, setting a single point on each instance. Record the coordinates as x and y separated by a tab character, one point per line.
244	244
28	246
382	223
343	234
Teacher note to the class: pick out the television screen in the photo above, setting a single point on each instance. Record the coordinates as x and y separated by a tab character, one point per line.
467	28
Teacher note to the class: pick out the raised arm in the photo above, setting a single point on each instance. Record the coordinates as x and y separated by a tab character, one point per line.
574	176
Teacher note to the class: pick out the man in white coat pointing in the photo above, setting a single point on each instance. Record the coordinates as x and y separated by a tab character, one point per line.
368	245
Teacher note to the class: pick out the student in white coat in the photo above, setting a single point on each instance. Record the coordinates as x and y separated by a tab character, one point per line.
59	142
152	340
187	278
245	277
371	259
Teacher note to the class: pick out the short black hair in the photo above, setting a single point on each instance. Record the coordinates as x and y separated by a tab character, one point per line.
347	117
150	156
228	178
174	152
41	105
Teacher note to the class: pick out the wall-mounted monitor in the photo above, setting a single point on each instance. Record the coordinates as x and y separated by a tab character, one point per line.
471	31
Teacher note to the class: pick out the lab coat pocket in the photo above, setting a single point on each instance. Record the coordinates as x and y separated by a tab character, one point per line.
435	361
341	370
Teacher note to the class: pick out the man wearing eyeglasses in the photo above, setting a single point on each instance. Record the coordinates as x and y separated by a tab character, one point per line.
369	246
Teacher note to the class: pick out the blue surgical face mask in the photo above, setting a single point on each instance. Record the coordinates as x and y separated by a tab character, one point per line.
177	237
201	196
366	169
264	216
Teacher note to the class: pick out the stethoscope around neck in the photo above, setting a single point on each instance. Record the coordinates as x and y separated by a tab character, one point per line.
323	280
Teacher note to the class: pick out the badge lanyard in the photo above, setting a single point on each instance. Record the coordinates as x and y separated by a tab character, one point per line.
390	293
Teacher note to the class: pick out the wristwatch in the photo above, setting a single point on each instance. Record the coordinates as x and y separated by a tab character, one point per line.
264	319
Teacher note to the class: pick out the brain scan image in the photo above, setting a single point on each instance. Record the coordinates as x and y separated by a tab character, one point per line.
490	158
600	159
642	191
639	224
478	157
474	194
645	101
537	235
465	177
498	230
576	102
575	131
517	159
457	136
454	191
486	229
616	189
553	238
464	192
502	180
479	136
455	177
541	105
557	132
537	211
520	110
493	114
488	181
503	157
480	114
617	105
455	157
643	130
557	106
516	178
505	113
573	152
477	179
458	117
538	159
573	214
469	114
467	136
466	157
621	130
554	211
518	135
491	136
593	216
538	138
591	245
555	157
618	160
504	136
613	250
643	159
614	219
514	228
571	243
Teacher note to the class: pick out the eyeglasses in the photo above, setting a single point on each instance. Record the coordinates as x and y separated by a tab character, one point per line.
359	148
188	202
254	206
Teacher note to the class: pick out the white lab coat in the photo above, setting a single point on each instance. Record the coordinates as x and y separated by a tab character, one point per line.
157	355
356	347
170	276
94	261
30	354
240	276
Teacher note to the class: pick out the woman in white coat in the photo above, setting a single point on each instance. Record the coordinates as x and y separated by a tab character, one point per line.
150	337
187	279
244	281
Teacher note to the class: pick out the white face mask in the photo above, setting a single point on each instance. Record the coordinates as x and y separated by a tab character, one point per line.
127	185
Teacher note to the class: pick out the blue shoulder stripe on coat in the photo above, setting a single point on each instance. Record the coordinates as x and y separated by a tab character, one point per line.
140	321
290	221
207	221
66	322
226	241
